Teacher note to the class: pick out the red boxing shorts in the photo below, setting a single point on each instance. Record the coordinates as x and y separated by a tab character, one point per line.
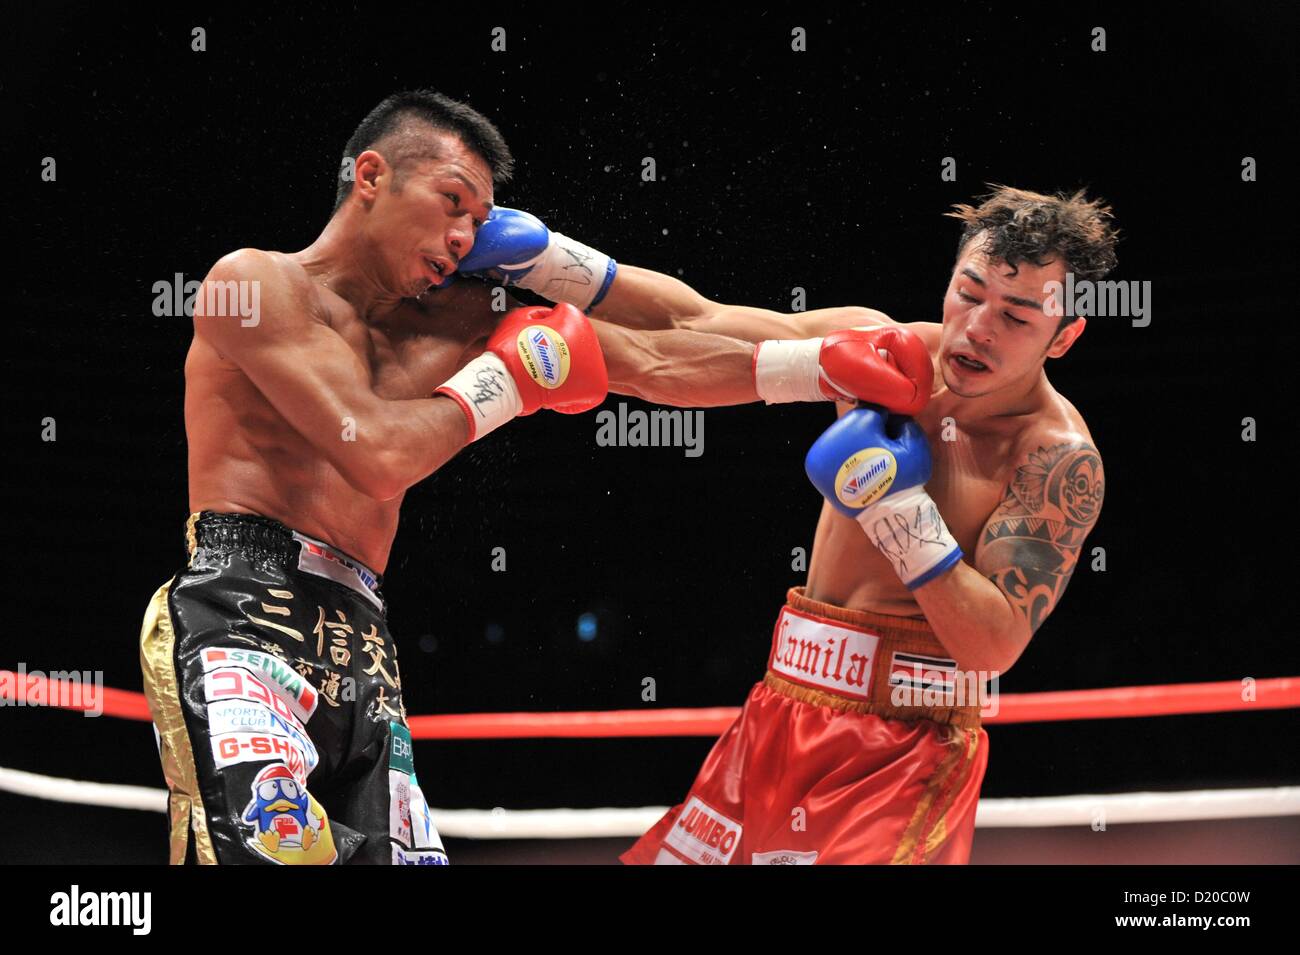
851	750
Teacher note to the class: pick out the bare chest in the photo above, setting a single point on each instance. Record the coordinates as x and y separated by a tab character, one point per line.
969	476
413	354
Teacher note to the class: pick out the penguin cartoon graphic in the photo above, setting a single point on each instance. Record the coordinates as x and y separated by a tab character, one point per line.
289	826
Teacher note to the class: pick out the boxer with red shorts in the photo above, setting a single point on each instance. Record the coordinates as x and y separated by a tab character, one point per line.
947	538
822	767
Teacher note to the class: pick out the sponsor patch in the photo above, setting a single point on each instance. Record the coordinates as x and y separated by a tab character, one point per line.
231	748
271	677
545	355
234	725
784	857
239	716
410	824
423	832
865	477
289	826
702	835
818	653
419	856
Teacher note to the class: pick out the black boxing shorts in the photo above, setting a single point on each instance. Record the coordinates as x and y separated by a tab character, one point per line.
273	684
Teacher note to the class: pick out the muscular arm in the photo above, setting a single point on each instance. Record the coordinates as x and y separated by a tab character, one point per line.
321	387
675	367
711	360
640	298
985	615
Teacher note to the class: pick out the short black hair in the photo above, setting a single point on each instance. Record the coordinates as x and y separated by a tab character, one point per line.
400	117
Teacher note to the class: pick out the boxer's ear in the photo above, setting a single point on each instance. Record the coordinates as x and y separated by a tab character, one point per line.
1066	337
368	169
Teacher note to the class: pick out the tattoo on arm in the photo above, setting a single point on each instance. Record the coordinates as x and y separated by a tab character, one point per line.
1030	545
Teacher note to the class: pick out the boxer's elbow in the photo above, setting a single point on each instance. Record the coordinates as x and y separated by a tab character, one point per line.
983	660
991	649
1004	648
376	474
387	485
407	442
372	460
682	307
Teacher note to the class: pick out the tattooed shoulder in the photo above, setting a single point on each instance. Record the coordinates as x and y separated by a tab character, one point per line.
1064	477
1030	545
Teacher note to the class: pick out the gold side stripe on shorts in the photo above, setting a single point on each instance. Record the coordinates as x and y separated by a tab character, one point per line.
161	689
940	831
941	789
191	542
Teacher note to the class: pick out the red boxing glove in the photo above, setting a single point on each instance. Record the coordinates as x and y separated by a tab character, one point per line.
538	357
554	357
885	365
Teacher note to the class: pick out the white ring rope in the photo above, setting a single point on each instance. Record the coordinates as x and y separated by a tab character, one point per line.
87	794
1113	809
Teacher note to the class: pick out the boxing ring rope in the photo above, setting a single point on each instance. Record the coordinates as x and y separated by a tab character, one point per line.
1109	703
1172	699
1017	813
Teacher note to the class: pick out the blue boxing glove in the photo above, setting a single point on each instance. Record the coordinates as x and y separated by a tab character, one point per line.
516	248
872	467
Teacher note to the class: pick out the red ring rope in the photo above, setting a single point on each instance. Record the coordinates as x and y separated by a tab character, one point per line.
1109	703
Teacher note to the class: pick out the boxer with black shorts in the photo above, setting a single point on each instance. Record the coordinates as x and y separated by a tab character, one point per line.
271	675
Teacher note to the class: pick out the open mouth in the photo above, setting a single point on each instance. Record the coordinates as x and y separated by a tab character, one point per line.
438	267
967	364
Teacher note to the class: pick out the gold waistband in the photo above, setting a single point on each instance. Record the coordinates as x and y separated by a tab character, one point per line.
896	635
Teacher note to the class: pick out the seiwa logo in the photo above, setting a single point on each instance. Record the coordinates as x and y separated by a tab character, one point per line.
102	908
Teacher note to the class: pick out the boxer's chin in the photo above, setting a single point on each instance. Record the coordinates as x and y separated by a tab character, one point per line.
964	389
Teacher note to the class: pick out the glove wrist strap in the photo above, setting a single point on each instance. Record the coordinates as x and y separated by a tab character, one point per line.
787	371
909	530
569	271
486	393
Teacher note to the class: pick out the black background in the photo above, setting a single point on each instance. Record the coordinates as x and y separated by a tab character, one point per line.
776	169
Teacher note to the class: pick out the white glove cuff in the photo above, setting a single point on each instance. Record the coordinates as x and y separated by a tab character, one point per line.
788	371
486	393
908	529
568	271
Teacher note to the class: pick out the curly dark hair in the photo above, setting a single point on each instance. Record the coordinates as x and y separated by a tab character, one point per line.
1017	226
